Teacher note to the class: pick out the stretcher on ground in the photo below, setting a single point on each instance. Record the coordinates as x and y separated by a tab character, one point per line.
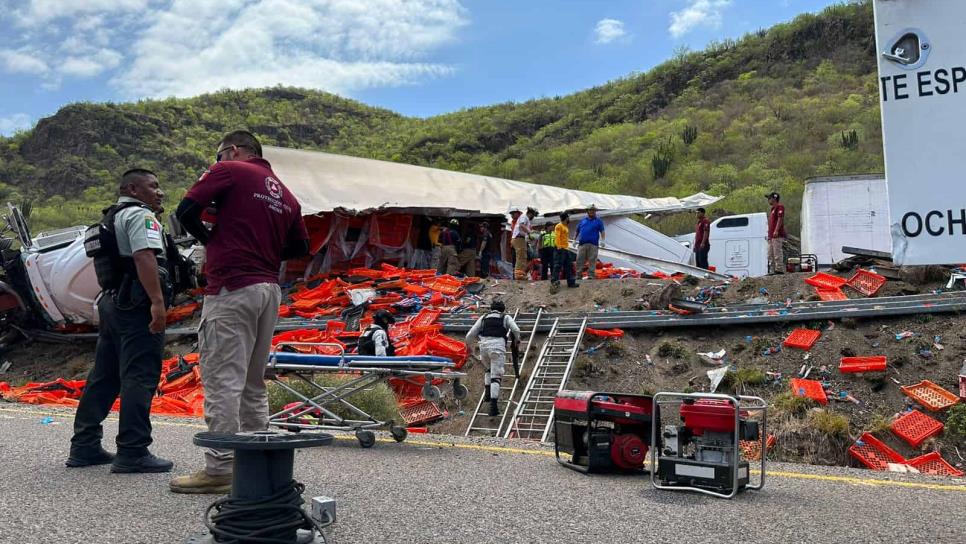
316	410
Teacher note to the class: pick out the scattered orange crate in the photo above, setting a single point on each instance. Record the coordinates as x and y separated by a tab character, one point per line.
876	363
871	452
915	427
933	463
930	395
865	282
809	389
802	339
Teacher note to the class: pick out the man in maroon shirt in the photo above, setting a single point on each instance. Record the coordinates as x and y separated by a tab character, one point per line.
258	225
776	234
702	240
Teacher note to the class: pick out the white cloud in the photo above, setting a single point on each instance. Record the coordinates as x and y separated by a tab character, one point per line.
22	62
154	48
39	12
608	30
13	123
91	64
336	45
697	13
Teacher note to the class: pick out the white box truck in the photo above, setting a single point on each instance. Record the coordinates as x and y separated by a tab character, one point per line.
739	245
842	211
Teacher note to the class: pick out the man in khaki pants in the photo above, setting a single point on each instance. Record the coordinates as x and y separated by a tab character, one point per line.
259	225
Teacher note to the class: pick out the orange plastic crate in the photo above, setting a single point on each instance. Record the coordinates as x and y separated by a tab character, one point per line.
915	427
802	339
830	294
809	389
751	449
871	452
422	412
865	282
933	463
825	281
875	363
930	395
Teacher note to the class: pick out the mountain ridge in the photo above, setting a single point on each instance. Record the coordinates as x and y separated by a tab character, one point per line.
738	118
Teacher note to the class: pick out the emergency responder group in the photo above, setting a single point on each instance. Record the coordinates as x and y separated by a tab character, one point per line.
249	223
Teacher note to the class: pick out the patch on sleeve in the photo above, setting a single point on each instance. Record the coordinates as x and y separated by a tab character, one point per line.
204	174
152	228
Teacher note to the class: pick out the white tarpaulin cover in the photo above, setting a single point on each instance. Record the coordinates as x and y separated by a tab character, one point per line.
324	182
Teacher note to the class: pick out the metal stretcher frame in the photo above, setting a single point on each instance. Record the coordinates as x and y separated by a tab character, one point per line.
752	404
368	371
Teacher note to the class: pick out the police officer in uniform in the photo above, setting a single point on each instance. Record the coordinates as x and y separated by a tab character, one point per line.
132	310
375	339
492	329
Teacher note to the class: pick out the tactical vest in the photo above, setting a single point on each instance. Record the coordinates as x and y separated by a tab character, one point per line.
367	344
111	268
494	325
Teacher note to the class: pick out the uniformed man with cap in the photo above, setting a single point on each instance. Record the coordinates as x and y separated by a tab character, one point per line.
492	330
132	311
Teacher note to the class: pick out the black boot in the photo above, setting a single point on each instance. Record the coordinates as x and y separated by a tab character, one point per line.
494	411
486	392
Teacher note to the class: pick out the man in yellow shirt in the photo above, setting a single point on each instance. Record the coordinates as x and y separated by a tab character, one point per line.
563	258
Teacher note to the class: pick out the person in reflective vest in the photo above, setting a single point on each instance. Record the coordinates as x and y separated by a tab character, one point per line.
492	330
547	251
375	340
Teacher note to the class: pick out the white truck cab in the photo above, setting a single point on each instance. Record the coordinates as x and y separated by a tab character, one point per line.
739	245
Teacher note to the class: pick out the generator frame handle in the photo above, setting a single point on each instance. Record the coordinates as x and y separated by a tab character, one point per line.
757	404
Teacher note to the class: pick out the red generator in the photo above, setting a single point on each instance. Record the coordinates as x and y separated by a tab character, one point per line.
702	452
602	432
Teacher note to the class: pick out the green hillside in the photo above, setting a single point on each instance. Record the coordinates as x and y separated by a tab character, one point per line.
737	119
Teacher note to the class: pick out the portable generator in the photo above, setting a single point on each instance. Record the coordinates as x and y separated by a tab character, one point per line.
703	451
602	432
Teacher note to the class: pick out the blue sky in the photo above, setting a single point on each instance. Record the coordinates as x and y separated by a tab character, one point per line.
417	57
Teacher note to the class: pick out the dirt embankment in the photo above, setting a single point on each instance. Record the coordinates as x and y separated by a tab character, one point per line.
651	361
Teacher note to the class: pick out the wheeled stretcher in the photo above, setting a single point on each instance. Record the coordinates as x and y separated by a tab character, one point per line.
316	411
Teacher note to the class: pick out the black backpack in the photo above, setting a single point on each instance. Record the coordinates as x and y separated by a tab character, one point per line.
100	244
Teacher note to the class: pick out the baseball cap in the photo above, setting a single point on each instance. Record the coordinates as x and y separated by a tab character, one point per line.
773	195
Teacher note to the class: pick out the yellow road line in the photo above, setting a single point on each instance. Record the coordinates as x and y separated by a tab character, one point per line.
852	480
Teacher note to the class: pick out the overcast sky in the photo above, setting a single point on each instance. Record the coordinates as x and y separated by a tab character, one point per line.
417	57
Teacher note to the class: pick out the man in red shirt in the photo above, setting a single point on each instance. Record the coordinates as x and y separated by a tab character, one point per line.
776	235
702	240
258	225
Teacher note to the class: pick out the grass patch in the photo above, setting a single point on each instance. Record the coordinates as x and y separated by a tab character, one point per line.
829	423
786	404
377	400
878	424
672	350
615	349
744	377
956	423
759	345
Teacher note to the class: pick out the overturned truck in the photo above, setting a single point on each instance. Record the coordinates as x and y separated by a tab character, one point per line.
359	212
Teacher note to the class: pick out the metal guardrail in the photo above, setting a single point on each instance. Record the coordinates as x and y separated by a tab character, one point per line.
741	314
745	314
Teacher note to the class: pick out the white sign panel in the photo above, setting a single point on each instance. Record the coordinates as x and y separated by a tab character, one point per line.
921	48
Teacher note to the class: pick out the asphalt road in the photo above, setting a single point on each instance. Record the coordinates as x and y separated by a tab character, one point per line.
424	491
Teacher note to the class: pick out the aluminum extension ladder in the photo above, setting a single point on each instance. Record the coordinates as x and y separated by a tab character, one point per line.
480	423
533	418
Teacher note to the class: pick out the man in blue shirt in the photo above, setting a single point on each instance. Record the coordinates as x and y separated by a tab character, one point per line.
590	236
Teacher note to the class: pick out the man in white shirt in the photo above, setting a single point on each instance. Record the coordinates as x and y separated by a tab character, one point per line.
521	233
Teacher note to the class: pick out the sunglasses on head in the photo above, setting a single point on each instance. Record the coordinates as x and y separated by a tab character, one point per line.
221	151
